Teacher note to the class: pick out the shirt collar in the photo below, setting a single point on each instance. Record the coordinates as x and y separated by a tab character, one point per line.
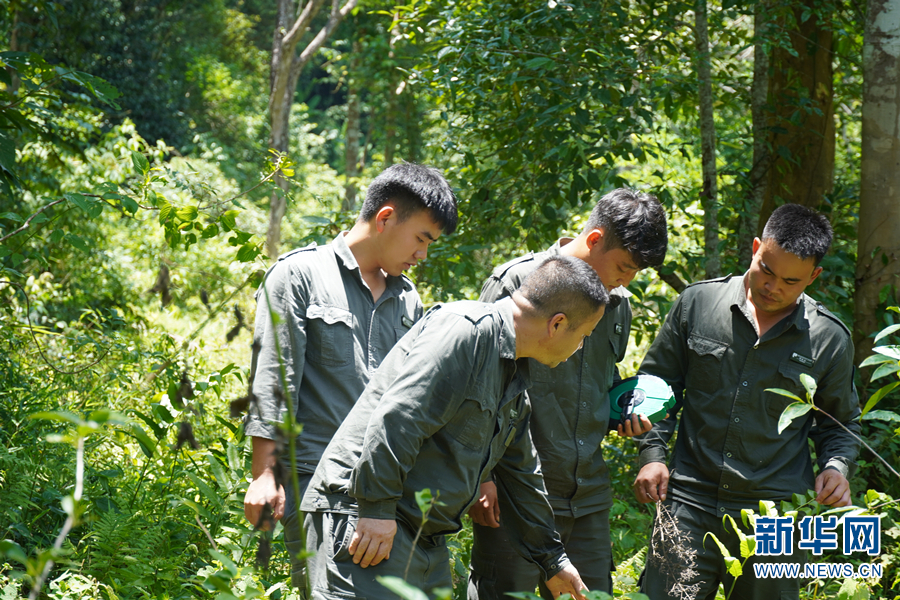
348	261
507	328
797	318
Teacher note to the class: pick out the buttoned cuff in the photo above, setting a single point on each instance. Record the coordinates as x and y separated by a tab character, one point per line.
552	568
382	509
651	455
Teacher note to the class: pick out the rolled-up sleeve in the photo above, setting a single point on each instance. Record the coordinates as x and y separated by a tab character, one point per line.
277	341
526	512
666	359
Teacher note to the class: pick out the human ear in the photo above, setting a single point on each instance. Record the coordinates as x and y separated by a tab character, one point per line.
556	323
382	217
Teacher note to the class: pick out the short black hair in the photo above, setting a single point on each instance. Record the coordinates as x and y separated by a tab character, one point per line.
411	187
564	284
633	221
800	231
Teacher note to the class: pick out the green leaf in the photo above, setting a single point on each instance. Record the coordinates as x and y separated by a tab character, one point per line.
886	332
11	216
767	508
187	213
782	392
881	415
891	351
725	553
10	549
885	369
147	444
401	588
228	219
218	472
537	63
877	396
315	220
733	566
207	491
792	411
809	383
58	415
875	359
78	242
248	252
852	589
140	162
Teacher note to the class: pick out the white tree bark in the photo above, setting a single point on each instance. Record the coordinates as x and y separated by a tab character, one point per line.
878	262
285	71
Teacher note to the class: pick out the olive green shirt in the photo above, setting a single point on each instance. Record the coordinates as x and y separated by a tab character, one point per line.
570	403
332	337
728	453
444	409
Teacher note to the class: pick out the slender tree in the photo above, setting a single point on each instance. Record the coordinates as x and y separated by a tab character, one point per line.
878	262
757	177
293	25
709	193
351	143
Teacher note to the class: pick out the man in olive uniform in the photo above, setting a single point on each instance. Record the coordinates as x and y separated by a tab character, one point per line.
724	342
340	308
626	232
445	409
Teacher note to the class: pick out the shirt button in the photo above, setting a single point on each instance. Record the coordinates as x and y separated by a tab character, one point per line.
725	486
744	383
737	420
574	509
722	509
584	405
581	442
580	480
728	454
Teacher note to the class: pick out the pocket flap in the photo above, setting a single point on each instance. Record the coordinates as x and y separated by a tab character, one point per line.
705	346
330	314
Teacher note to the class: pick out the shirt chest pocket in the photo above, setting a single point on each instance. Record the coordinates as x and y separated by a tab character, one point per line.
704	364
329	335
473	425
788	378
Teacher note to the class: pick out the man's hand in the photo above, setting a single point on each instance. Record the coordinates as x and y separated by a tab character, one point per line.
567	581
652	483
637	425
264	490
372	541
486	510
832	488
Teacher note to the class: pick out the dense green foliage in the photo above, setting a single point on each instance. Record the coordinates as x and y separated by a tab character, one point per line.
133	196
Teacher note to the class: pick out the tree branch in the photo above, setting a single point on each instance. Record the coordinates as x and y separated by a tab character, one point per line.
336	17
28	221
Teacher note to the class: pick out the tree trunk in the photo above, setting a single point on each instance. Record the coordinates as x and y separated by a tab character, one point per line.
801	92
709	193
351	143
394	90
749	222
878	262
285	71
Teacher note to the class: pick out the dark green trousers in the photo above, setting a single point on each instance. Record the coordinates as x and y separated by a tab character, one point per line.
333	575
498	569
710	567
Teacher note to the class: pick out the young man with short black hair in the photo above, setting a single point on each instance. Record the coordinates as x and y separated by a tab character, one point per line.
626	232
340	308
724	343
444	410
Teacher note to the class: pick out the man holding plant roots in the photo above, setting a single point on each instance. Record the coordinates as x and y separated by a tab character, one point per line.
339	309
724	342
626	232
443	411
